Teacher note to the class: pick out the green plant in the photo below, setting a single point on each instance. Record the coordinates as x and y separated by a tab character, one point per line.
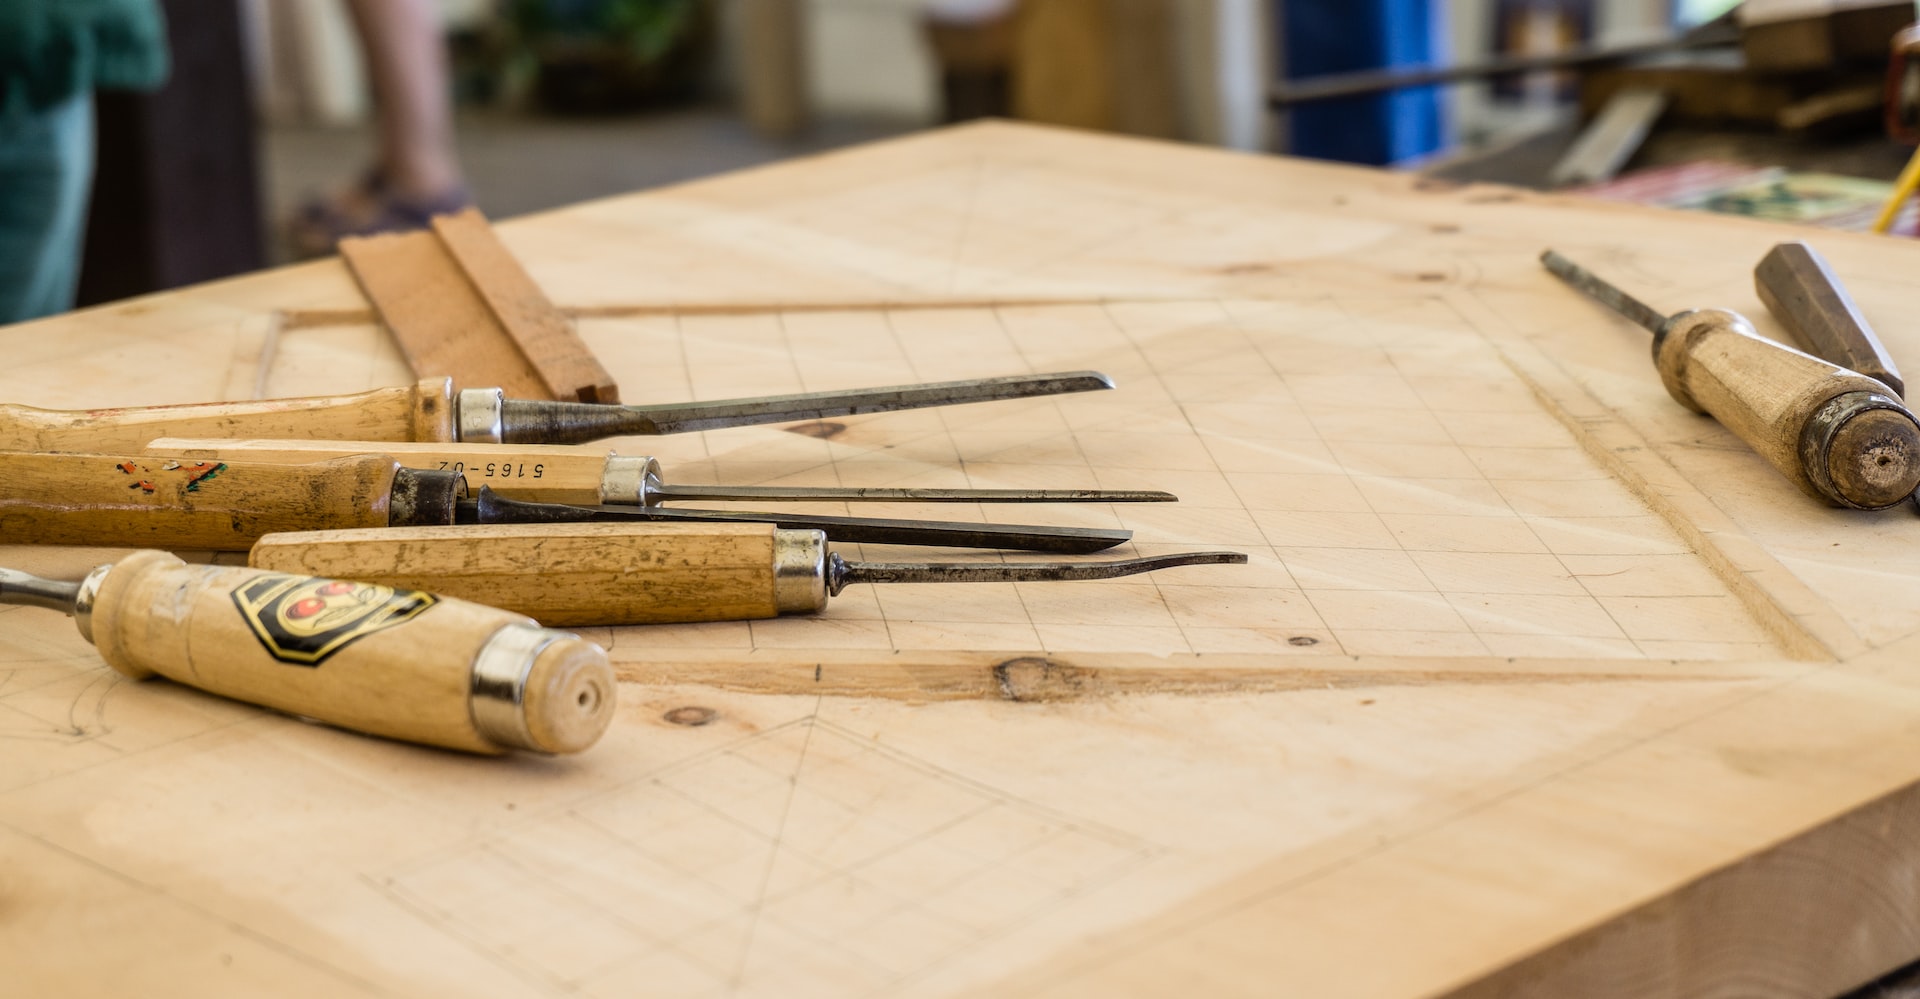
647	30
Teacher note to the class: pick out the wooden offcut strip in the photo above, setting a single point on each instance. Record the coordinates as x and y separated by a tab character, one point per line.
460	305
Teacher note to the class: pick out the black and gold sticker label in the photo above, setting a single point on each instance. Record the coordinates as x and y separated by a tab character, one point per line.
303	620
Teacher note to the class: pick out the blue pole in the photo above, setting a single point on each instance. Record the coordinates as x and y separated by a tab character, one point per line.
1343	36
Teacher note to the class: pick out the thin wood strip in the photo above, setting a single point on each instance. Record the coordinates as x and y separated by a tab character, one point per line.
443	326
544	336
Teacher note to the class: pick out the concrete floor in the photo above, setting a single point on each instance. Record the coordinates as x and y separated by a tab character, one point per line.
518	164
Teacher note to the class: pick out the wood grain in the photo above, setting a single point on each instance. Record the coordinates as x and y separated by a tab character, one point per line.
566	368
460	305
1454	784
421	412
557	574
144	502
549	473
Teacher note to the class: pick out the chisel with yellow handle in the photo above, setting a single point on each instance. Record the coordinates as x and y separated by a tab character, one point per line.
379	659
432	411
155	502
560	474
613	574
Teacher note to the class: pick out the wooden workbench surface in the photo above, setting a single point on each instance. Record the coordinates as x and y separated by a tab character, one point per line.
1537	683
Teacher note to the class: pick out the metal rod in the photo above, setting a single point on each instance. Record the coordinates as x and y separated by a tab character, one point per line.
1712	34
536	422
488	508
26	590
864	494
1608	295
842	573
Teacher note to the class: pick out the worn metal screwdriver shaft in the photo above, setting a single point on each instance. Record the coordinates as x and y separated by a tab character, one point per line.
604	574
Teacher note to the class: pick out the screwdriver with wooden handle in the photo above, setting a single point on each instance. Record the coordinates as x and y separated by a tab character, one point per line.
1837	434
383	660
617	574
431	411
562	474
1803	293
150	502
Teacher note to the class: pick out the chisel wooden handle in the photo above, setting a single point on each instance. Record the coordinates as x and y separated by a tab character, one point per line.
579	574
1802	292
387	661
142	502
549	473
422	412
1835	432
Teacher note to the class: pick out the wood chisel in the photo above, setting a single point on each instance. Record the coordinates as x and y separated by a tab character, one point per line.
1836	433
614	574
384	660
148	502
562	474
1804	295
431	411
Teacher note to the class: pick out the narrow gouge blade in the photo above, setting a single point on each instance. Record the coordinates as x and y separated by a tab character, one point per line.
666	493
842	573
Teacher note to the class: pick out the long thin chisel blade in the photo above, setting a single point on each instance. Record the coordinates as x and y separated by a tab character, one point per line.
1606	294
841	573
535	422
863	494
488	508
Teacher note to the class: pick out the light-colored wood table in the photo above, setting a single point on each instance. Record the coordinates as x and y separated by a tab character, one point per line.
1537	683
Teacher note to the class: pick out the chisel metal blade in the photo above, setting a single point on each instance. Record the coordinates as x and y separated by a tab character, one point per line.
1607	294
487	508
538	422
863	494
841	573
26	590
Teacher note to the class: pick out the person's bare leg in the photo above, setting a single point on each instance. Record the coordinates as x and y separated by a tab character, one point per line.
406	57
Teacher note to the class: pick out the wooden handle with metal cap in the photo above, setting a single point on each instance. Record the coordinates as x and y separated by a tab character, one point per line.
1832	431
1836	433
420	412
143	502
1803	293
578	574
378	659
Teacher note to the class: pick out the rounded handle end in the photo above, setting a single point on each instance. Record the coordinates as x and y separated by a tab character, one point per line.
1862	450
570	696
547	691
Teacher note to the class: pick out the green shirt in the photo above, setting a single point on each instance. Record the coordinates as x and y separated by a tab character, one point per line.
51	50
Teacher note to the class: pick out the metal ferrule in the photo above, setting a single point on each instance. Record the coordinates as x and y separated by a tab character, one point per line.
480	416
630	480
499	689
424	497
799	571
84	600
1816	439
